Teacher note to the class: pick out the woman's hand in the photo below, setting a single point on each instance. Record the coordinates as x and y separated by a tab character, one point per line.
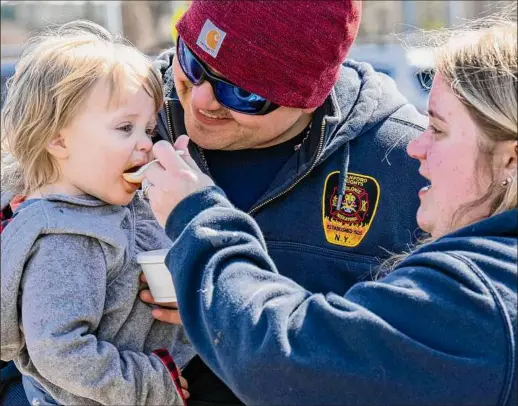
174	179
168	312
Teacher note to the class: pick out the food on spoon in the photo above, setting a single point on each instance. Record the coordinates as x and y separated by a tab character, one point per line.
137	176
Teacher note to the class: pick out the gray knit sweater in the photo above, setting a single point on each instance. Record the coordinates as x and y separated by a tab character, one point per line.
71	316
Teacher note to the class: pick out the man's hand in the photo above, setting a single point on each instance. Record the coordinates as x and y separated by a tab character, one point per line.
169	315
168	312
184	385
174	179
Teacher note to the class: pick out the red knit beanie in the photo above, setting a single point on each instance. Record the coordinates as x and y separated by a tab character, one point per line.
288	51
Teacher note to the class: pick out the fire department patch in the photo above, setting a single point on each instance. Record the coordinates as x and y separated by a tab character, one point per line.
348	224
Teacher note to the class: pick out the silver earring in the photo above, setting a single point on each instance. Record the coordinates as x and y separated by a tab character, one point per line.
506	182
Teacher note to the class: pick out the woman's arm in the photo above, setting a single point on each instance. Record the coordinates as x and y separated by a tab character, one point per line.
427	334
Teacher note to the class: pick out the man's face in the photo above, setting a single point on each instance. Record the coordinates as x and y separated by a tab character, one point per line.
212	126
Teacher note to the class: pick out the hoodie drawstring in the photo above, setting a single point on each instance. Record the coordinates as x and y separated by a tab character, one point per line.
343	176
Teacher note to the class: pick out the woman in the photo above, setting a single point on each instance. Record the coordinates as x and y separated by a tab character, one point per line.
439	329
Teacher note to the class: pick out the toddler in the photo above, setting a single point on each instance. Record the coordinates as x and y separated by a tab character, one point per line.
80	112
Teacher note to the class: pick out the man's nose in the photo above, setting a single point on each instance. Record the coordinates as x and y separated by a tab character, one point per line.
203	97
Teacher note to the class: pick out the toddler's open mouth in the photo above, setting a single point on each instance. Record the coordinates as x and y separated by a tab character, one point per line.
136	173
134	169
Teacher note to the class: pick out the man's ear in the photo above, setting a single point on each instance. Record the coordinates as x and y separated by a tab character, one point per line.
57	147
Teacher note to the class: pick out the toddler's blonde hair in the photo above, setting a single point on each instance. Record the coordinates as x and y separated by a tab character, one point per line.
53	79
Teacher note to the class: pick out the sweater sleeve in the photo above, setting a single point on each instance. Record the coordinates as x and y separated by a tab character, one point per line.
63	298
427	334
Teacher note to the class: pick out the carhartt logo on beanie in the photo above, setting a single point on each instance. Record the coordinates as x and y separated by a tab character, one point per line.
211	38
289	52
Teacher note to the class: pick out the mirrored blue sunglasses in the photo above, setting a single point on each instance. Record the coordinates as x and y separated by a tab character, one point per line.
226	93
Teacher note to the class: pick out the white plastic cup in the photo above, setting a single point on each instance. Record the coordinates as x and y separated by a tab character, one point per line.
158	276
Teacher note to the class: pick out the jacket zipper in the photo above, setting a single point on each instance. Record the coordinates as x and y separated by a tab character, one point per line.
203	160
169	125
253	210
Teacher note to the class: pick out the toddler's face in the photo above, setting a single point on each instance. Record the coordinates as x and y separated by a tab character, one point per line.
103	143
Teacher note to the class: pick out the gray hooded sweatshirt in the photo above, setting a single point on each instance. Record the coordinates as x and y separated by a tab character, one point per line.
71	317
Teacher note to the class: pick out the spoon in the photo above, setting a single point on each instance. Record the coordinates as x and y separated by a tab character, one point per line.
138	176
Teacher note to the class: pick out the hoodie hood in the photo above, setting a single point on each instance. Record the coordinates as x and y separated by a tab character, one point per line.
65	216
499	225
18	240
361	99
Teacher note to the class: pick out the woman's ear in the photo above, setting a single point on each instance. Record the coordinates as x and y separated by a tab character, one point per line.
507	156
57	147
512	158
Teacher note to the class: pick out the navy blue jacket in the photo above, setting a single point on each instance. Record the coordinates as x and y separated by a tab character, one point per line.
343	201
357	154
438	330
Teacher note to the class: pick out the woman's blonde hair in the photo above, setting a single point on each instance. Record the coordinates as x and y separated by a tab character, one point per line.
481	66
53	79
479	61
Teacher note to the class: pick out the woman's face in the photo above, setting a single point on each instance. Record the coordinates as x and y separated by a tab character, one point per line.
450	159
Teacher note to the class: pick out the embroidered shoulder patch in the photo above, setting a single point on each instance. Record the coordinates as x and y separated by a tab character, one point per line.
347	225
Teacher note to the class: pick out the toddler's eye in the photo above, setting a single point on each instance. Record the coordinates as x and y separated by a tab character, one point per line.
127	128
151	132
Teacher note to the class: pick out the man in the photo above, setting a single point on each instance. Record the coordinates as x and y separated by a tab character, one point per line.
313	150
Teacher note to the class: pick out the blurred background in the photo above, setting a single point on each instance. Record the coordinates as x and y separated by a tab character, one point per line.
149	25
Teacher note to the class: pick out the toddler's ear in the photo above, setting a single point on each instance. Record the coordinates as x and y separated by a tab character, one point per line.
57	147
